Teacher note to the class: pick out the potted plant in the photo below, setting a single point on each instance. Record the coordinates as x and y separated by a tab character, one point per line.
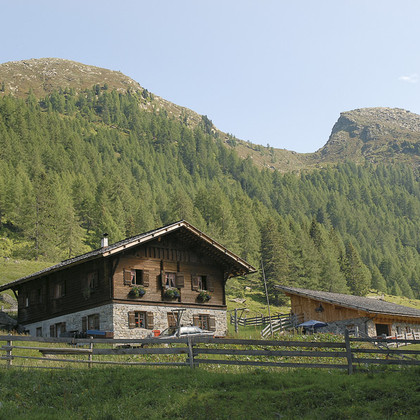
171	293
204	296
137	291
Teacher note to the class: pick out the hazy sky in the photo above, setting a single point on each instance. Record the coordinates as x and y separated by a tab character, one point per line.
269	71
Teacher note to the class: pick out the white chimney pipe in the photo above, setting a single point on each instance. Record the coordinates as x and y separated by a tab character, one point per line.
104	240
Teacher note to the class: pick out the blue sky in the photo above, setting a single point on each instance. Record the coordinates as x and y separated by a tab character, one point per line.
269	71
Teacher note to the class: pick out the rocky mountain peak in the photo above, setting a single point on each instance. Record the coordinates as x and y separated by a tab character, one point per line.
375	134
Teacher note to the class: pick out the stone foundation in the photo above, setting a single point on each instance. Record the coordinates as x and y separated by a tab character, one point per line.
367	326
114	317
74	321
160	319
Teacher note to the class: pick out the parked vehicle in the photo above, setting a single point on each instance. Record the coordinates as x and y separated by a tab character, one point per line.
190	331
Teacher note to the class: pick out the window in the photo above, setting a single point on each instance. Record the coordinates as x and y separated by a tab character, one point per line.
140	319
136	277
90	322
205	322
200	282
170	279
39	332
93	322
133	277
56	329
59	290
92	280
26	300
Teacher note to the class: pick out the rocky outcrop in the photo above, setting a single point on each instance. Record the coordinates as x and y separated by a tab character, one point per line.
375	134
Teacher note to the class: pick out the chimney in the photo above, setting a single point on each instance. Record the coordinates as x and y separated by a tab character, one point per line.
104	240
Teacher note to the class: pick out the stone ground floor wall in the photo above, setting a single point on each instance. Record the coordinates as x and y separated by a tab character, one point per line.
160	319
367	326
338	327
114	317
74	321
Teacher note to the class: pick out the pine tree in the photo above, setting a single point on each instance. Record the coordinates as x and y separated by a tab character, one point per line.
274	259
357	274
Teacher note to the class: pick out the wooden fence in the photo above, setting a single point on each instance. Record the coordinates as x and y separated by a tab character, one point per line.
349	354
256	320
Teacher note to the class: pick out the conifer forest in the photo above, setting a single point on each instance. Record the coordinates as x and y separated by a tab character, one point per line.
74	165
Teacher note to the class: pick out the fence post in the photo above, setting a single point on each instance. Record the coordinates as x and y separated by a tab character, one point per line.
90	356
236	320
9	354
190	353
348	352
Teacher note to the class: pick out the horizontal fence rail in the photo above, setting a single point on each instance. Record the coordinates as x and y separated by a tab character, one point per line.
256	320
350	354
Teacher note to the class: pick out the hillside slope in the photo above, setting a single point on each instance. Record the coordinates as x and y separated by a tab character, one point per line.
79	162
372	134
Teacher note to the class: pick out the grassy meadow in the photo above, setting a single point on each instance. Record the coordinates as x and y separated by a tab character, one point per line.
182	393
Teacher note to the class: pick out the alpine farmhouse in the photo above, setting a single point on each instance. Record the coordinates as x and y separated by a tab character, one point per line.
131	287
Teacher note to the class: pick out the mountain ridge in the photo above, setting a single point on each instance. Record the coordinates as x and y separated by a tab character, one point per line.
367	134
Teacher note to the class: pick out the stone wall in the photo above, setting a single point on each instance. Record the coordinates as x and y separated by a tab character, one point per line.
114	317
74	321
367	326
160	319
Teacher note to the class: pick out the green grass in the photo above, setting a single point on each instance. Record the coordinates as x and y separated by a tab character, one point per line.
14	269
182	393
399	300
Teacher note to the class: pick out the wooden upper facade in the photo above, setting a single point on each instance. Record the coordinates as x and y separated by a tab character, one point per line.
171	266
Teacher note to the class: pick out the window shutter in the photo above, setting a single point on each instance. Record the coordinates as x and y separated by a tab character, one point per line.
171	320
194	282
196	320
162	278
84	323
179	281
131	320
150	321
209	281
127	277
145	278
212	323
52	330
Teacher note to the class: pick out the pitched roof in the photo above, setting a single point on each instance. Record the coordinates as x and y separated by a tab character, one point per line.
189	232
355	302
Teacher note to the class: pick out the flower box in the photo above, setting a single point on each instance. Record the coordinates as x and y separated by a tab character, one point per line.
137	291
171	293
204	296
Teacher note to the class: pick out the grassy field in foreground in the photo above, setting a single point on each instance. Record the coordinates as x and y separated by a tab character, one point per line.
179	393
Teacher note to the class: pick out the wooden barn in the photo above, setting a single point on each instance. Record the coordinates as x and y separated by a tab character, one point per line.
131	287
373	317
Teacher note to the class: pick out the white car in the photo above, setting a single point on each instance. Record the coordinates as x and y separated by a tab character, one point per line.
191	331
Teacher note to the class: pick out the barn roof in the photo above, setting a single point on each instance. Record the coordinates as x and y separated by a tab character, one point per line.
355	302
185	230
